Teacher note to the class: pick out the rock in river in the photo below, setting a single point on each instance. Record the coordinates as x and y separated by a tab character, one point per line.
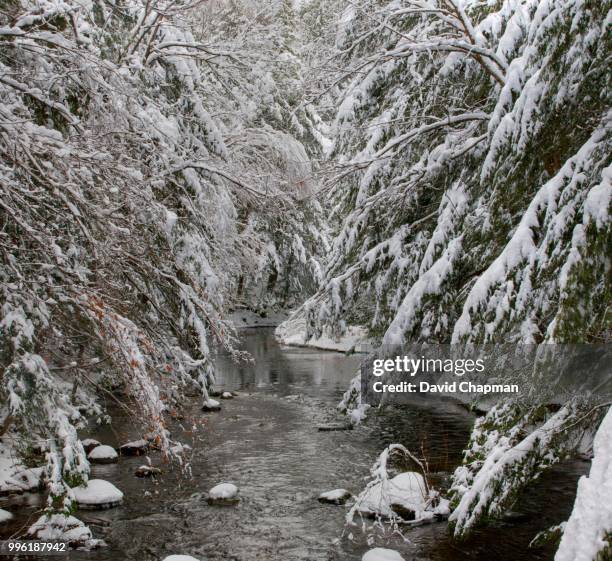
147	471
211	405
405	495
89	444
134	448
382	554
97	494
223	494
103	455
336	497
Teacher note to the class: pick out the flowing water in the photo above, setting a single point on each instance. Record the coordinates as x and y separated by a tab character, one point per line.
266	441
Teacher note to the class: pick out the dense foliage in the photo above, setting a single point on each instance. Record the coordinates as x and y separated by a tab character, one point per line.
143	180
469	182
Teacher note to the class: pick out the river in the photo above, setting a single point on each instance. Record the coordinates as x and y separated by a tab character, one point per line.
266	441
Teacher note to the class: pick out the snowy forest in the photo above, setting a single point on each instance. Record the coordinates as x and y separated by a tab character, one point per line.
345	174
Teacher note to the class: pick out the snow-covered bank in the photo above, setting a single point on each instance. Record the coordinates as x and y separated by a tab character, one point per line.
15	477
292	332
587	532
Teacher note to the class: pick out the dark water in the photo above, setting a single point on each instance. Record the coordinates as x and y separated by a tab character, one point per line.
266	442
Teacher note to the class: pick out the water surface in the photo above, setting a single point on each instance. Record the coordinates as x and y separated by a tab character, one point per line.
266	442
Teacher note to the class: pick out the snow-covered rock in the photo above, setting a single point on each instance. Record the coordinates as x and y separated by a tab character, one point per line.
180	558
134	448
227	395
211	405
382	554
147	471
103	455
337	496
97	494
405	495
66	529
5	515
224	493
89	444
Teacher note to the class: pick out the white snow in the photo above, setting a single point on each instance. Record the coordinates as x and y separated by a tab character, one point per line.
293	333
223	491
335	495
180	558
63	528
591	517
5	515
142	443
407	489
480	498
382	554
14	476
97	493
90	443
102	452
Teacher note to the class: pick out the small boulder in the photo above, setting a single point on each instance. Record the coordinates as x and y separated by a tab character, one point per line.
134	448
335	497
211	405
64	528
103	455
97	494
381	554
89	444
5	516
147	471
227	395
223	494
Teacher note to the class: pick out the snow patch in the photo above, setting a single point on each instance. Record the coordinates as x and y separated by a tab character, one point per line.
382	554
97	493
103	453
65	529
591	519
293	333
337	496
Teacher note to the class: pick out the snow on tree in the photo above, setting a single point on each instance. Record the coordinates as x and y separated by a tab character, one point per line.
125	213
587	534
469	181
